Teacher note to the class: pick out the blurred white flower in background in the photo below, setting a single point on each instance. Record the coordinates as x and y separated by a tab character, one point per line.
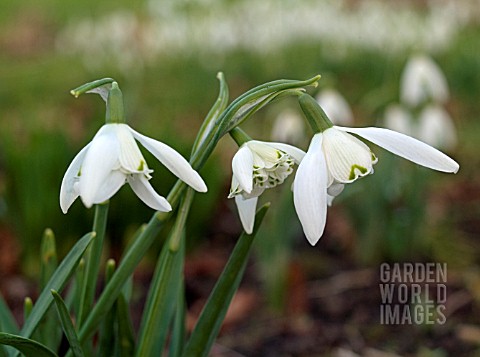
213	28
436	127
422	81
335	106
423	94
399	119
288	127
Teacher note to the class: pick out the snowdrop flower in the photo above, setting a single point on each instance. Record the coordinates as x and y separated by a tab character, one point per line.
399	119
113	158
257	166
436	127
335	106
335	157
422	80
288	127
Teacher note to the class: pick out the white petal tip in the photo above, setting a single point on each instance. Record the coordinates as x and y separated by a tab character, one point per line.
313	240
201	187
456	168
163	209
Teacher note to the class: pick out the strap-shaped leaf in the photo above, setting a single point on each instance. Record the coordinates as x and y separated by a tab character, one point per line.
67	325
163	294
211	318
57	282
7	321
29	348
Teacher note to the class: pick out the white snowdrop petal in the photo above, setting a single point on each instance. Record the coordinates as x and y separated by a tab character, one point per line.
242	168
144	190
407	147
110	186
246	210
131	159
310	191
347	157
172	160
68	189
99	161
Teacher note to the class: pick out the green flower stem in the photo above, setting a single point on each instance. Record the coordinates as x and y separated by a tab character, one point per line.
27	307
211	318
239	136
164	288
92	262
314	114
87	87
49	257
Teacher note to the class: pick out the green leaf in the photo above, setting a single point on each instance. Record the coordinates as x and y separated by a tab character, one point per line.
48	333
126	336
67	325
29	348
126	267
177	340
7	321
206	130
211	318
163	294
106	334
57	282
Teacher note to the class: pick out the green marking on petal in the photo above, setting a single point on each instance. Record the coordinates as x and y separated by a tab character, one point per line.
362	169
141	166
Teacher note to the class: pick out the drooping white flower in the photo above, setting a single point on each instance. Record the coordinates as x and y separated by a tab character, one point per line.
113	158
257	166
335	157
397	118
288	127
422	80
335	106
436	127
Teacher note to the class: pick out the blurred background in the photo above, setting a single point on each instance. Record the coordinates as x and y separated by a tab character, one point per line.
309	301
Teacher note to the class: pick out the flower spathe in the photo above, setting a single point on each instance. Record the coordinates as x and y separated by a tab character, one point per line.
335	157
113	158
257	166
